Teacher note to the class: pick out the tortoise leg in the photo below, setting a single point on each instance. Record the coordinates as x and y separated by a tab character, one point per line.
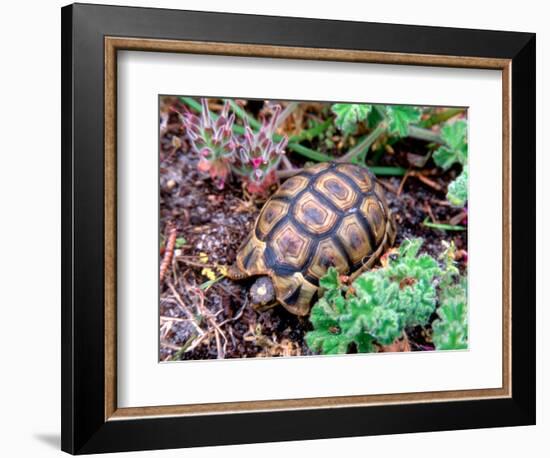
263	307
234	272
299	298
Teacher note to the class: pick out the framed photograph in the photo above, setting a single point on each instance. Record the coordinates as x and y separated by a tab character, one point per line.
282	229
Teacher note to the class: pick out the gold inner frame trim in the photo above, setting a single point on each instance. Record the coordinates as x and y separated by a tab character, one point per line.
114	44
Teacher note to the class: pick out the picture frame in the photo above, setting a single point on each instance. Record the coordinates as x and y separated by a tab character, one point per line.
92	35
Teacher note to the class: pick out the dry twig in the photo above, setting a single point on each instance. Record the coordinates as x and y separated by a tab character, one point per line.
185	310
422	177
168	252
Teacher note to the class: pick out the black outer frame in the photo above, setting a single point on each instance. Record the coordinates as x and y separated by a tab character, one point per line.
84	429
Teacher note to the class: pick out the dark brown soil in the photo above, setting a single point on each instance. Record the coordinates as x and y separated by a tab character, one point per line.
217	321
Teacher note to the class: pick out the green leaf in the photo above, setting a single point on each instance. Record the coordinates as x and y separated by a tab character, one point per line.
455	150
457	191
443	227
374	118
326	342
180	241
385	325
444	157
330	280
327	337
417	303
455	134
348	115
399	118
450	330
364	286
364	342
410	248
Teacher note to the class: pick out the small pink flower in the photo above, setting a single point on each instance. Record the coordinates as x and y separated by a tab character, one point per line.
256	162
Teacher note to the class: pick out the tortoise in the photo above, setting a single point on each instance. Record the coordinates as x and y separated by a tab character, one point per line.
331	214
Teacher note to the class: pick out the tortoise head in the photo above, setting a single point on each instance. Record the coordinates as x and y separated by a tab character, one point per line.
262	293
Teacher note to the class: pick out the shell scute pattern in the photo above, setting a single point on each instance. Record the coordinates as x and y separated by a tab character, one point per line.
328	215
315	217
336	190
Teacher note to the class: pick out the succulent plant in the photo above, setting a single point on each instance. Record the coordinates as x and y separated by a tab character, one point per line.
258	155
213	140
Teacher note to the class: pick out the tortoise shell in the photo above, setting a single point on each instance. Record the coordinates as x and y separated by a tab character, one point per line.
328	215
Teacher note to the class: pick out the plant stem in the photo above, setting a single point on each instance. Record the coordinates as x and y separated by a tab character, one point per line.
309	153
284	174
286	163
241	113
381	111
207	284
192	103
378	171
388	171
415	131
365	144
443	116
425	134
286	113
311	133
445	227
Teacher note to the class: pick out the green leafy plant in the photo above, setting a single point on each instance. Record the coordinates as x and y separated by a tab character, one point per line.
400	117
450	329
397	117
348	115
457	191
392	121
455	150
379	305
